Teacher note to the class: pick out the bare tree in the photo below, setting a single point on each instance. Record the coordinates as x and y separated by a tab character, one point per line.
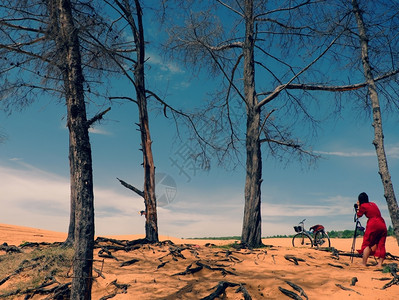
378	142
41	52
124	53
267	53
237	54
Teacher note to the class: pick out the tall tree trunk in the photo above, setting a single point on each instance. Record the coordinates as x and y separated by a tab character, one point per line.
79	156
252	223
378	142
151	224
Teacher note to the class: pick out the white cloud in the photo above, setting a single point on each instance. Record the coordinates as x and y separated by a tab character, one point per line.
347	154
393	151
156	60
97	130
390	150
36	198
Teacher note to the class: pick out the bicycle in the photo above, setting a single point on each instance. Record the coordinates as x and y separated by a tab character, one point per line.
304	238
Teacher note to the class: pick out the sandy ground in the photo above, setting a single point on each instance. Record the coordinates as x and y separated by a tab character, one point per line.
262	272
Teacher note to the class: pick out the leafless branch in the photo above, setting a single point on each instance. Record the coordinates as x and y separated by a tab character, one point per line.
132	188
97	117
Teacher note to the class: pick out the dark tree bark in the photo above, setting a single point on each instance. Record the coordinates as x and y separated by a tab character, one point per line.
151	224
251	228
378	142
136	26
82	196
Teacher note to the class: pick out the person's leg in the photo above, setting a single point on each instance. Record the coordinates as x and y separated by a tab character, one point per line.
380	261
366	254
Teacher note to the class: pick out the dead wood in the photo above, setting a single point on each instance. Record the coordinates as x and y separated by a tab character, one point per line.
297	288
244	292
382	278
131	187
21	268
293	259
105	253
100	239
129	262
353	281
162	264
335	266
180	293
346	289
189	270
223	270
97	117
7	295
37	245
175	252
61	291
391	256
220	289
290	293
99	272
119	289
9	249
120	286
108	296
393	268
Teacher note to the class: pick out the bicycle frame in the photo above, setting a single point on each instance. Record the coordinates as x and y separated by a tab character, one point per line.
314	238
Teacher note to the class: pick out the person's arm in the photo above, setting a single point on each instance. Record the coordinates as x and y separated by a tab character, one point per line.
360	210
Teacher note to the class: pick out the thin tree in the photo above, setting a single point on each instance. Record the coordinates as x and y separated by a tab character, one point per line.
378	141
131	13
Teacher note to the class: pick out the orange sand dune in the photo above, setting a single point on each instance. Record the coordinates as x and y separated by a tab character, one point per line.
261	271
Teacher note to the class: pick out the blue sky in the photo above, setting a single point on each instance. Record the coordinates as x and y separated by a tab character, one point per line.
34	170
35	185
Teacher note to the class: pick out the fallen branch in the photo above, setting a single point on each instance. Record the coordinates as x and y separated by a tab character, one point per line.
223	270
293	259
162	264
336	266
244	292
9	249
346	289
297	288
393	268
129	262
189	270
105	253
290	294
220	289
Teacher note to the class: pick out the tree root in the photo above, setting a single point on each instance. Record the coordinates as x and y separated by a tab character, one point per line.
346	289
221	289
297	288
395	280
293	259
290	293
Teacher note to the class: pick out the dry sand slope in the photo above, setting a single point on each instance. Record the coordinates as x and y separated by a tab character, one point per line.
188	269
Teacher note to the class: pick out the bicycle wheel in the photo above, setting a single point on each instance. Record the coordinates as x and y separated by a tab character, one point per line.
321	239
302	240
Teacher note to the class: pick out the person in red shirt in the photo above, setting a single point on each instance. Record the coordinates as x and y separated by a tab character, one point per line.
376	230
